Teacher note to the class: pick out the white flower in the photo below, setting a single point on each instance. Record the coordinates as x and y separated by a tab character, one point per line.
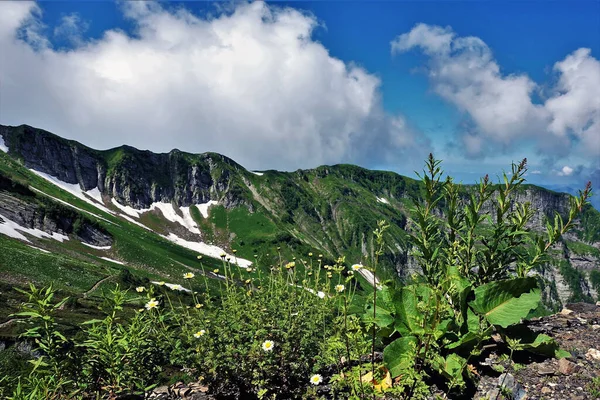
200	333
356	267
140	289
316	379
321	295
268	345
339	288
188	275
151	304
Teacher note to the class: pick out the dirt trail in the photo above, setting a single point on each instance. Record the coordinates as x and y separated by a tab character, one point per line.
100	282
7	323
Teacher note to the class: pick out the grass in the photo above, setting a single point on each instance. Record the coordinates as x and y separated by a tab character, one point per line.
18	260
582	249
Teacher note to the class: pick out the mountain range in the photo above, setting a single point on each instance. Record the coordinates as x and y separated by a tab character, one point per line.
82	218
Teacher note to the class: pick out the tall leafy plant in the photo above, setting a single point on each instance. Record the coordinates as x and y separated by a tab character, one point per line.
476	253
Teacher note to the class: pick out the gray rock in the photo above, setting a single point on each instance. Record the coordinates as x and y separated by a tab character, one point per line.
509	385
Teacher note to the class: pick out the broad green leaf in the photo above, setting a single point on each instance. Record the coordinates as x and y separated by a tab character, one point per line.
400	354
383	310
415	305
472	321
506	302
542	344
453	366
469	337
560	353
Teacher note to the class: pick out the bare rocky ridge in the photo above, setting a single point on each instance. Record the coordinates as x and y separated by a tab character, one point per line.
135	178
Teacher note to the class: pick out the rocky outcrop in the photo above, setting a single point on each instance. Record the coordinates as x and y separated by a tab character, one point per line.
51	219
577	330
43	151
134	177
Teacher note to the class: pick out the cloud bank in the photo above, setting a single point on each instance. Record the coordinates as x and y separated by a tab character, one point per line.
501	108
250	84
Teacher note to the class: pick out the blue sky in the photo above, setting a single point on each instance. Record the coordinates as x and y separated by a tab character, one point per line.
412	103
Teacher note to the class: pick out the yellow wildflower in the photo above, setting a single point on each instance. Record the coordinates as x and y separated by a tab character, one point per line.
200	333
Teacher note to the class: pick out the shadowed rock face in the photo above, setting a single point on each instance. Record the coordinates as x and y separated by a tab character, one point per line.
40	150
55	219
134	177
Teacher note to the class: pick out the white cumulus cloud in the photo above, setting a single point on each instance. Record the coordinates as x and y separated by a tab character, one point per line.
464	72
250	84
565	171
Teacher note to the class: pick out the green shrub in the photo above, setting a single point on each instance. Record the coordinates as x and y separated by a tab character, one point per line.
474	282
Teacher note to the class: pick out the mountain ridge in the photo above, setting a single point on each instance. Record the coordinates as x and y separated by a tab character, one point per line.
208	199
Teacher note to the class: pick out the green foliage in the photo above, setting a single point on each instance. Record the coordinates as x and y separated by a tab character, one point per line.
582	249
474	281
574	279
590	224
506	302
120	357
222	340
594	387
595	280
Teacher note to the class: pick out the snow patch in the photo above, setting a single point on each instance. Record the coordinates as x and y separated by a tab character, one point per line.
167	210
42	250
207	250
111	260
126	209
71	205
14	230
257	173
2	145
75	190
96	247
169	213
173	286
204	207
95	194
188	221
382	200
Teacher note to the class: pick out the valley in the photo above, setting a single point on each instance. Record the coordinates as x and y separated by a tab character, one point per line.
84	219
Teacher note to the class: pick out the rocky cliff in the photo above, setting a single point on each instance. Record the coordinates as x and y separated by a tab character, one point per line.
22	206
135	178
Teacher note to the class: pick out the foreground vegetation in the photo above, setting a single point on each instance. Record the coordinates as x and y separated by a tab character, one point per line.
285	331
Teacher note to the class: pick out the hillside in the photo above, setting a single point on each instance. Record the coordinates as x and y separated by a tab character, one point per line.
83	218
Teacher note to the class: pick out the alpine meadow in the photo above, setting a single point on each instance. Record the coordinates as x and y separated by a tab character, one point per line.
299	200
